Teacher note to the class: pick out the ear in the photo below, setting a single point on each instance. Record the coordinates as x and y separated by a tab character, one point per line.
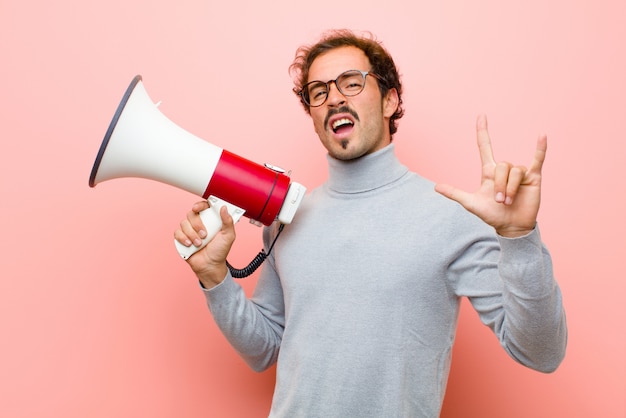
390	103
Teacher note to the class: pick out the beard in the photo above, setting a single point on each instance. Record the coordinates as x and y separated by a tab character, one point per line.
342	109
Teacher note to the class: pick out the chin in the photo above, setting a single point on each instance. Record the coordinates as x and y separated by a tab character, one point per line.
346	154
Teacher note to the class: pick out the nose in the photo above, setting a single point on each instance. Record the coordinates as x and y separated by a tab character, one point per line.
335	97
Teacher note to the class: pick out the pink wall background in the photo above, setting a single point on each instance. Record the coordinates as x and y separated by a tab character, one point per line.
99	317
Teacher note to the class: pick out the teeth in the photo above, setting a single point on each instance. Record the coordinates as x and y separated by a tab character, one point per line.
340	122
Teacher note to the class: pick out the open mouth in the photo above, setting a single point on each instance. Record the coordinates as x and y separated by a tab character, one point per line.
341	125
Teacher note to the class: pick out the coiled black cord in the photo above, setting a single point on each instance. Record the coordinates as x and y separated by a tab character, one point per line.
256	261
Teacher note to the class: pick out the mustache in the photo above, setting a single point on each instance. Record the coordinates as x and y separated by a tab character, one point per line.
342	109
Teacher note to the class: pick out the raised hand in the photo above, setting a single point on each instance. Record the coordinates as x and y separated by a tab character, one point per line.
509	196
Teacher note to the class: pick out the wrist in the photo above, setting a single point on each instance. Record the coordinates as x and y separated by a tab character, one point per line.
514	232
213	277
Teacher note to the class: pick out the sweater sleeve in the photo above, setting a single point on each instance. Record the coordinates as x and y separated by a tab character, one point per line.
253	326
516	295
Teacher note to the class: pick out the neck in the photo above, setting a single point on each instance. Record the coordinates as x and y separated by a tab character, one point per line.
365	173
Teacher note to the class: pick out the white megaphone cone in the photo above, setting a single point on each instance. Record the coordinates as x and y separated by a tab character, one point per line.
142	142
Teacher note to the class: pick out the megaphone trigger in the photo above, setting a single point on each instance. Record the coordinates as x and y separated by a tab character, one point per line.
212	223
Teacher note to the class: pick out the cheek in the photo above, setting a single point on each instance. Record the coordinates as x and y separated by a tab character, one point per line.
372	113
318	122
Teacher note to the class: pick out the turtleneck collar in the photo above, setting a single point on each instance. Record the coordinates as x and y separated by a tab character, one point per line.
365	173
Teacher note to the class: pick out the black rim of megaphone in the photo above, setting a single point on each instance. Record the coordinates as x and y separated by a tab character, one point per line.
107	136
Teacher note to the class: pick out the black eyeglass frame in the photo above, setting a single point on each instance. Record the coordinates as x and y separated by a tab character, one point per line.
304	94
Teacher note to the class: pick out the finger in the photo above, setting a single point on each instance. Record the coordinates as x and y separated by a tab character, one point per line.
500	181
195	221
200	206
484	141
188	234
180	236
227	220
194	217
516	175
540	154
455	194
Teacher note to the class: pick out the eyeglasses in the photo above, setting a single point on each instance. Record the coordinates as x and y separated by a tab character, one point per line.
349	83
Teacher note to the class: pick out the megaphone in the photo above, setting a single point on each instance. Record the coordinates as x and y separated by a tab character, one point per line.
142	142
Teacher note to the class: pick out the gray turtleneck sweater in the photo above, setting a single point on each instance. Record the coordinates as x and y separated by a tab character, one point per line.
359	300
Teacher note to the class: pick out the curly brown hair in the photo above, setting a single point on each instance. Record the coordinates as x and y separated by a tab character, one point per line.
380	60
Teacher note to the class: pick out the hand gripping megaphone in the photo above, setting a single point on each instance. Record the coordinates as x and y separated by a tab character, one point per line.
142	142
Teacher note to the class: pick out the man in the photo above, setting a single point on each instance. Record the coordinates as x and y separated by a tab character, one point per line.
358	302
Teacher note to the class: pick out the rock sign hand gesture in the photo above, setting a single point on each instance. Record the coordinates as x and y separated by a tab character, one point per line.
509	195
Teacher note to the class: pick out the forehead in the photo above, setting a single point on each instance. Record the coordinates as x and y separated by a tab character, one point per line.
334	62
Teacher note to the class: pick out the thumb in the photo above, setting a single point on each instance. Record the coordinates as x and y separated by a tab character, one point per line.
228	223
453	193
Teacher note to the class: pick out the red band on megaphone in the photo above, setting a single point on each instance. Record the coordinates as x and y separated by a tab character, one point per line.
253	187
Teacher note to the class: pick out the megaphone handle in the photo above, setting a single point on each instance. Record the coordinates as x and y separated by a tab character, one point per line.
212	222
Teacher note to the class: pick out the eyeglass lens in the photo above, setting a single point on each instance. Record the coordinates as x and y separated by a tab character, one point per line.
349	83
